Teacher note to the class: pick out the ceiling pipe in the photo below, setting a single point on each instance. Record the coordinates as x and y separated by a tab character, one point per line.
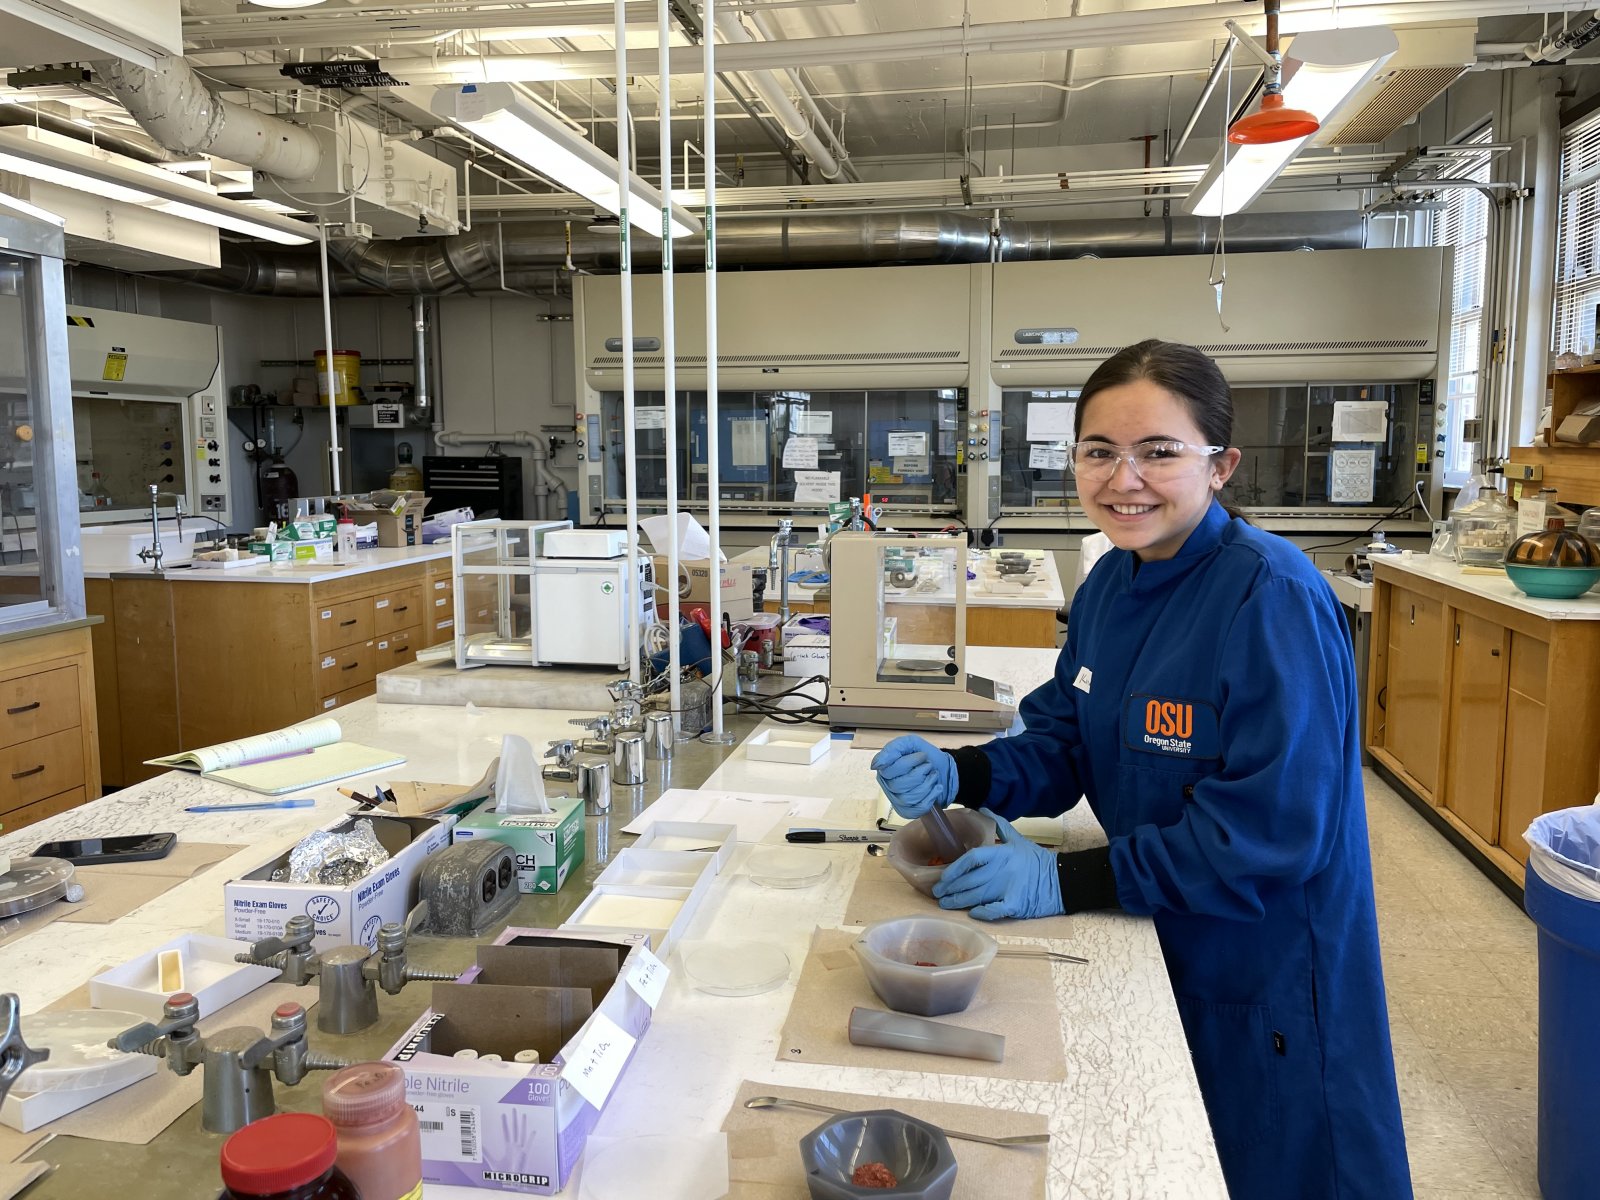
181	112
1185	23
807	99
478	259
765	84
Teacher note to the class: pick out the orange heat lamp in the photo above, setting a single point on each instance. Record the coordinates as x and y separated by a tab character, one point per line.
1273	122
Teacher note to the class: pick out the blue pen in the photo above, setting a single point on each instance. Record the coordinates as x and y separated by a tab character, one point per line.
302	802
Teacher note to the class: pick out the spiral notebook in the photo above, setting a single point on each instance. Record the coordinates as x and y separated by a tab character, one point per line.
286	760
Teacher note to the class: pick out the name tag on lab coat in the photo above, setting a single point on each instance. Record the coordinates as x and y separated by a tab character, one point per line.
1172	726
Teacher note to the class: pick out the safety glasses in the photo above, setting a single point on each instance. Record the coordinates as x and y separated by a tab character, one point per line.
1151	461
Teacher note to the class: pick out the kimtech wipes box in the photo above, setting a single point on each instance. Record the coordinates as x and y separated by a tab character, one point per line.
583	1002
256	905
547	845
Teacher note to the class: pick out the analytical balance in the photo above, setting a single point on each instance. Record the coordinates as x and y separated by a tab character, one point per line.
899	638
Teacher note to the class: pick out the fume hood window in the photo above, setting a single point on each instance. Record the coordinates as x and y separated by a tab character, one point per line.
1035	429
22	587
124	446
911	452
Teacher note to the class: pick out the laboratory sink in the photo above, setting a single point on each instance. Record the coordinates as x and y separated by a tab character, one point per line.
116	547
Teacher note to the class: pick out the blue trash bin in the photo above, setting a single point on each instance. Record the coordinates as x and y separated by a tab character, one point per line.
1569	1039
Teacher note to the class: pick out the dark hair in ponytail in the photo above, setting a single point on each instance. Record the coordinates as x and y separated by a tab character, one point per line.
1180	370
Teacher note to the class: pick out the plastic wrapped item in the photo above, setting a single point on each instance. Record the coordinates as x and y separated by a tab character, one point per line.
323	856
1564	848
879	1145
518	782
1483	528
925	965
901	1031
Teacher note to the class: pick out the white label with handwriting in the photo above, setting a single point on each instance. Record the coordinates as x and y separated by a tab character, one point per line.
647	976
598	1059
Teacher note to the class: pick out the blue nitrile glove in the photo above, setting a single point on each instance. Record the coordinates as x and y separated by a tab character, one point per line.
916	775
1014	879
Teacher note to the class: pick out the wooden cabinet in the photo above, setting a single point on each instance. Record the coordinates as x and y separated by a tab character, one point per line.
1461	688
49	742
201	661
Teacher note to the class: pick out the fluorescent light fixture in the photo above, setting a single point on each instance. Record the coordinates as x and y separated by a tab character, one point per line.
286	3
64	162
495	114
1328	67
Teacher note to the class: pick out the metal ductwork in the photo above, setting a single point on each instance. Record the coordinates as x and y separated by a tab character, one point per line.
507	254
181	112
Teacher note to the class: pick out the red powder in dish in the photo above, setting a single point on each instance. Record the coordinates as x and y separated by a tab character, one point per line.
936	861
874	1175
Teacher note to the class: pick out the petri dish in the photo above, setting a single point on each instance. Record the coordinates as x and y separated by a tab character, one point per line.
788	867
736	968
79	1056
32	883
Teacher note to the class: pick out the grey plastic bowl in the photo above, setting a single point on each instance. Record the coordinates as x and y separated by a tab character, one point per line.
918	1153
961	954
911	848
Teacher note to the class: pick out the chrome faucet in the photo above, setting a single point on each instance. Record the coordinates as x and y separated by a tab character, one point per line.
152	552
778	564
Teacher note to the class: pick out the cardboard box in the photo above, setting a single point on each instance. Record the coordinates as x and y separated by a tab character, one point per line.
255	906
399	518
548	845
274	551
318	550
805	654
585	999
736	584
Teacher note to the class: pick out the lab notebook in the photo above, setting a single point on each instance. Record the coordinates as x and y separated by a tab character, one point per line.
287	760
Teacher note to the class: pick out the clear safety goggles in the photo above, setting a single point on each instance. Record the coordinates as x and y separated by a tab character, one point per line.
1153	461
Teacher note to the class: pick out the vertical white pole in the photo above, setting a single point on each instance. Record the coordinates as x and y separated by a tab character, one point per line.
327	361
669	351
630	455
708	41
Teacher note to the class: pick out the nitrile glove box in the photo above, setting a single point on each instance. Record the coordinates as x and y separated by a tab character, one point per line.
582	1001
547	845
256	906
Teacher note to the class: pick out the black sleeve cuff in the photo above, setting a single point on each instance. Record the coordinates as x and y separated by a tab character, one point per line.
1086	880
973	773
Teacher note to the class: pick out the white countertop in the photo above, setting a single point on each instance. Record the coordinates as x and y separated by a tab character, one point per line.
377	559
1494	587
1352	592
1128	1121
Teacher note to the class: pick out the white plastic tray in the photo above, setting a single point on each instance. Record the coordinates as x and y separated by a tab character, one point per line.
662	913
209	973
657	868
799	747
691	837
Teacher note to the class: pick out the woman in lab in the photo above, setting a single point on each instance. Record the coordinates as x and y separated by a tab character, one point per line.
1205	703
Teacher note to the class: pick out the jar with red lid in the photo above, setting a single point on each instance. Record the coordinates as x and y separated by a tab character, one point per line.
289	1156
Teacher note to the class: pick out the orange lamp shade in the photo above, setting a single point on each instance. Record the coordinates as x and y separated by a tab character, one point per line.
1273	123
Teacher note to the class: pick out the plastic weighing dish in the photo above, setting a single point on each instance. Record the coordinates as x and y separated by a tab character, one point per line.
735	968
788	867
917	1153
79	1055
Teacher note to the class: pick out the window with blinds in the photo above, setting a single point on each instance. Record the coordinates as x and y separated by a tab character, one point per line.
1577	283
1463	223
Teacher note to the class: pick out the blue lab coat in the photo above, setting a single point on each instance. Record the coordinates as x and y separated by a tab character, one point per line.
1207	707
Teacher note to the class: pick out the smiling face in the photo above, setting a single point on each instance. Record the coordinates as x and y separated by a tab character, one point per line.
1151	518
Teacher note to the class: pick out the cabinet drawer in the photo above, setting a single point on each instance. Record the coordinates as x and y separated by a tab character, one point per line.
396	610
345	668
32	706
344	624
398	648
442	630
34	770
40	809
348	696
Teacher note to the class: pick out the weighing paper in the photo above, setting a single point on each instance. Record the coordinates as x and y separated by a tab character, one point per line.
1017	1000
880	893
1047	458
816	487
753	814
1050	421
13	1178
749	436
800	453
903	442
813	422
650	416
763	1163
1360	420
1350	476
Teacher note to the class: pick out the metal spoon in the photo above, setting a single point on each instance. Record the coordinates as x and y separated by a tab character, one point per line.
1020	952
1020	1139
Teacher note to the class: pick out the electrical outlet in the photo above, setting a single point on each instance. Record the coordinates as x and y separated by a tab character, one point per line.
213	503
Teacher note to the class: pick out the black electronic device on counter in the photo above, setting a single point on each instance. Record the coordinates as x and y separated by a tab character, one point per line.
490	487
88	852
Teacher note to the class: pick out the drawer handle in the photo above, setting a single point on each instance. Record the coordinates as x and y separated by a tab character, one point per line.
402	608
11	712
347	624
39	770
350	666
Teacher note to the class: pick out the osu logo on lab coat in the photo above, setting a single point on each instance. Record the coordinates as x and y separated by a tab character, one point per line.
1171	725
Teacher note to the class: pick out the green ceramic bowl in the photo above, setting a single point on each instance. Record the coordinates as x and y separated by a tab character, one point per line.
1553	583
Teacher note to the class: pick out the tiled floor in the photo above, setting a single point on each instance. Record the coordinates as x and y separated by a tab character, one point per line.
1460	963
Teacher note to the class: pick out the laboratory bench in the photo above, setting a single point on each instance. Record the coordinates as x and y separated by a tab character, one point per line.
1483	704
49	742
191	657
1128	1116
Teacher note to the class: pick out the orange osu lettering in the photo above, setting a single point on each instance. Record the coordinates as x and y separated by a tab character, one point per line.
1166	718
